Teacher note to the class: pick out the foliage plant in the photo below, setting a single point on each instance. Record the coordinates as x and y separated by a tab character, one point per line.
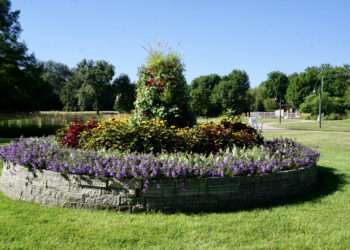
71	135
116	134
154	136
162	91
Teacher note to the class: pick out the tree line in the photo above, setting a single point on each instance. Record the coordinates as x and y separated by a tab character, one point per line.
213	95
89	86
27	84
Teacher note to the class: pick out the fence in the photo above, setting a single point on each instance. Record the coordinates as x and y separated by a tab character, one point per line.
275	114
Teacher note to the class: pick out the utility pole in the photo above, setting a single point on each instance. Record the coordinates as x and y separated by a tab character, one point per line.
320	105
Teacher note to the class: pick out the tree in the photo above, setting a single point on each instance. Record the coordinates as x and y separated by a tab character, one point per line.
21	87
232	93
276	86
200	91
200	100
336	79
124	93
86	97
300	86
162	91
86	88
57	75
330	105
347	98
207	81
257	97
68	96
270	104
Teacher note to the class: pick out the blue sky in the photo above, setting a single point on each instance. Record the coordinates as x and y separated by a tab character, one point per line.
213	36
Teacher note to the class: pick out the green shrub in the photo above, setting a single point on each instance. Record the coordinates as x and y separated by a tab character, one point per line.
162	91
307	116
335	116
270	104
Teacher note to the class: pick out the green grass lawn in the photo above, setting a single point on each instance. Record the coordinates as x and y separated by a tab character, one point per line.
327	125
317	221
4	140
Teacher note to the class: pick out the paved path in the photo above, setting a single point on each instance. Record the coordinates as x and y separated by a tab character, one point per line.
269	127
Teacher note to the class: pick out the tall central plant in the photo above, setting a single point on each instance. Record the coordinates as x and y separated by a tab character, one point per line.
162	91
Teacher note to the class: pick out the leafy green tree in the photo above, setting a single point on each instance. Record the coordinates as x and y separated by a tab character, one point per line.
336	79
21	87
200	100
68	96
124	93
270	104
162	91
232	93
57	75
207	81
87	87
257	97
347	98
300	86
86	97
330	105
276	86
200	91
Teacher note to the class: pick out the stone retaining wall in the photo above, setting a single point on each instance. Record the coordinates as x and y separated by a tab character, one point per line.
211	194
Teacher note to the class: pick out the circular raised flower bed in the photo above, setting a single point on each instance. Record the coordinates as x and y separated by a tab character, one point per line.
38	170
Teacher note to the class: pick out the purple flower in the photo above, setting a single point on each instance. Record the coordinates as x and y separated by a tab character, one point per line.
43	153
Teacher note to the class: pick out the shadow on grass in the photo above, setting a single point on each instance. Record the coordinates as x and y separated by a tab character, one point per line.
329	181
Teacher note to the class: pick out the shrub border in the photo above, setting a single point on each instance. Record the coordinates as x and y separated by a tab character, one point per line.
194	195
